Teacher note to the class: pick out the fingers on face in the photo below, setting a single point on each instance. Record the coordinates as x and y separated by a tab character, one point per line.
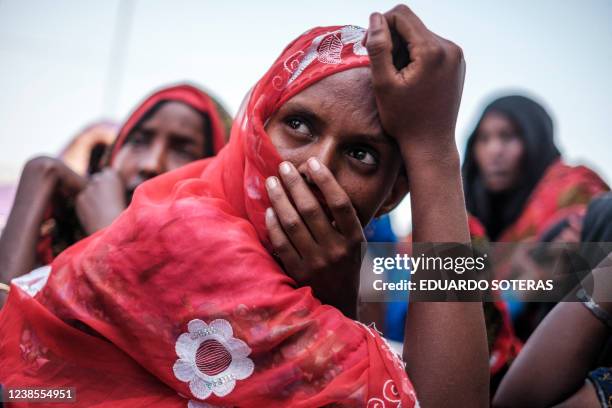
306	203
281	243
288	218
297	232
337	200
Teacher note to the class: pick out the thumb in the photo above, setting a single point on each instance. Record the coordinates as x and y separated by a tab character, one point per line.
379	46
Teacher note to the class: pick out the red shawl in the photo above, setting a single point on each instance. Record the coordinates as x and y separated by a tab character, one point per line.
179	300
563	190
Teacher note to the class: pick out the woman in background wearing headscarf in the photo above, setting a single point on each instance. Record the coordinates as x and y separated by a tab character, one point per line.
518	187
55	206
516	183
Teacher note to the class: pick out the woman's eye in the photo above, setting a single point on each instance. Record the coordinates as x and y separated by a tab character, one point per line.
298	125
482	138
188	153
139	138
508	137
363	156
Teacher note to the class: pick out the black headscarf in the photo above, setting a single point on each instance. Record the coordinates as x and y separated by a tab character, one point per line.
497	211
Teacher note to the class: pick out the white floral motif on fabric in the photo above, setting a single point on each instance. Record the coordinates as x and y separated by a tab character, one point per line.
327	48
390	397
211	359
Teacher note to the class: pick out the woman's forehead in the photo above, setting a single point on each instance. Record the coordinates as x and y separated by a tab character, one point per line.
355	81
350	89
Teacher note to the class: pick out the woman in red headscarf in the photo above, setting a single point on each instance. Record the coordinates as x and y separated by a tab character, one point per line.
55	206
180	300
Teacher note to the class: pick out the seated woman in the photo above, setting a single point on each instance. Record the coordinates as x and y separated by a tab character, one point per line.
55	207
516	183
181	301
566	362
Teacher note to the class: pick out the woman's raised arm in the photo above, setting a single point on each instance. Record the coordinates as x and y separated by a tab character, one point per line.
40	179
445	344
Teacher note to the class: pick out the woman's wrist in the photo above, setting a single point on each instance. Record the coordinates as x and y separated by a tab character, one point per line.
39	181
442	155
599	310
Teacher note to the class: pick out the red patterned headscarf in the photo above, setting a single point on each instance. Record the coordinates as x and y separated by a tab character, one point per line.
179	302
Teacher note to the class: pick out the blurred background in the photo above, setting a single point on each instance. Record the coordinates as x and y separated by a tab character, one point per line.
65	63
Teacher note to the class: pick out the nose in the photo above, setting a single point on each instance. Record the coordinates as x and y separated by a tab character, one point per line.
324	151
495	148
153	162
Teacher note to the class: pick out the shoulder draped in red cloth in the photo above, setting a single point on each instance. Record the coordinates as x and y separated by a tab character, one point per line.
179	303
562	191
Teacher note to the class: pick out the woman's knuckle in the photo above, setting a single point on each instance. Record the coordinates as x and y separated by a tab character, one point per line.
292	180
339	254
342	205
317	264
291	224
436	53
282	247
376	44
455	51
41	163
400	9
309	210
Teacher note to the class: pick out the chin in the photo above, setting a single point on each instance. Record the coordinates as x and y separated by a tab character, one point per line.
498	187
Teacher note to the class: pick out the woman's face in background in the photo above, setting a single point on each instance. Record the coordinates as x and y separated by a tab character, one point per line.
172	137
336	121
499	151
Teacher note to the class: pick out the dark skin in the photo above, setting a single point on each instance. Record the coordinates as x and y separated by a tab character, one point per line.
353	165
336	154
552	367
171	138
498	150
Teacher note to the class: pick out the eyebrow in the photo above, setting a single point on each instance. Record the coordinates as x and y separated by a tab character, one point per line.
302	109
182	138
375	138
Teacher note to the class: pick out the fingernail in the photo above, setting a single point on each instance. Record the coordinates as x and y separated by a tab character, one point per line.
271	182
285	168
314	164
269	213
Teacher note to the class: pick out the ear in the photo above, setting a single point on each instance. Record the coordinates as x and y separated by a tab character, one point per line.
399	190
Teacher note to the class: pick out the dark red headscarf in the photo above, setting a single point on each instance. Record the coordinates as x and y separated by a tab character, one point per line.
187	94
179	301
